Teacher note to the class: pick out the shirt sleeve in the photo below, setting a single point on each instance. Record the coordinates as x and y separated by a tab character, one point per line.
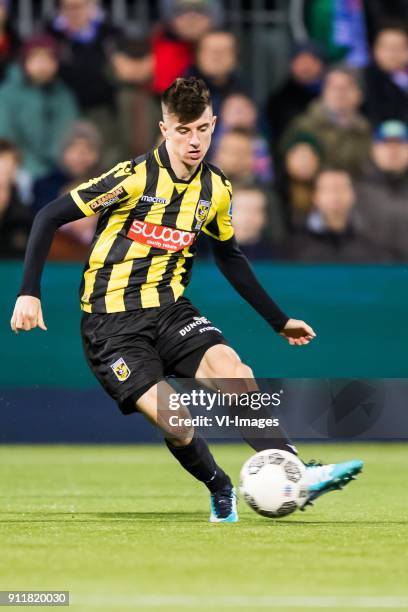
237	270
116	187
46	222
219	223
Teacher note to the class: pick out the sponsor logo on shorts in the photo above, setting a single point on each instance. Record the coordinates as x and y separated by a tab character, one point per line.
197	322
153	199
159	236
121	369
210	328
109	198
201	213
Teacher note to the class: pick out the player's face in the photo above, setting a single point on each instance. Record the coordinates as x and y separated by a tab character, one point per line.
189	142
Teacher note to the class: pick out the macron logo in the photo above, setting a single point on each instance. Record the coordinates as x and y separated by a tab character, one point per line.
153	200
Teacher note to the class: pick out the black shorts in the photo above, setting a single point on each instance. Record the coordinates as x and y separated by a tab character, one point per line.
131	351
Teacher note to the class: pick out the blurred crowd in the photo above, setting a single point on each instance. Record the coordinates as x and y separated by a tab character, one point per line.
319	168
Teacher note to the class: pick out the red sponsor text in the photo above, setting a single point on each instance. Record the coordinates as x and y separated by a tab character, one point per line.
159	236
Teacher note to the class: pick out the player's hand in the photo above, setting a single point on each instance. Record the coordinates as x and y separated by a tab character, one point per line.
27	314
297	333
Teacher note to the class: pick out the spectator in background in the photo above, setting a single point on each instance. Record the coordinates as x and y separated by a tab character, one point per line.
9	40
185	22
295	182
340	26
86	41
9	160
36	107
80	161
239	111
297	92
10	165
332	234
132	64
258	225
15	218
379	11
235	155
386	79
383	189
335	122
217	64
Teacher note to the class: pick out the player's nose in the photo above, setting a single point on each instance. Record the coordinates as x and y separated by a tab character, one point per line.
194	140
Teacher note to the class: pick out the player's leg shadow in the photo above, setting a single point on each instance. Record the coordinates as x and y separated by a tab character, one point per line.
152	516
99	517
167	517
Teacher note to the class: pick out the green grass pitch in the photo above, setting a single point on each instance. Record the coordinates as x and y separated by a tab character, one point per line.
124	528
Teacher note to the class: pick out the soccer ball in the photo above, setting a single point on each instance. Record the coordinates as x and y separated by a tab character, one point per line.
271	483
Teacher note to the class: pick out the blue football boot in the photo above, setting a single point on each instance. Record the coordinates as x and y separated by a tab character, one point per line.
224	506
320	479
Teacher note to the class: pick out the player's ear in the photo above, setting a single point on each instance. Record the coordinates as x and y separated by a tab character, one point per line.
214	121
163	129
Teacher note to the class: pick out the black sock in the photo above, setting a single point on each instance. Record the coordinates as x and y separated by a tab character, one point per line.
197	459
261	439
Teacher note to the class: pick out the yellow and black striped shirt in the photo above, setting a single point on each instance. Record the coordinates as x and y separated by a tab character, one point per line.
144	245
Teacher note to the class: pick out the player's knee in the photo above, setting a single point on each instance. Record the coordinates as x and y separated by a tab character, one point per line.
232	367
222	361
178	428
242	371
182	439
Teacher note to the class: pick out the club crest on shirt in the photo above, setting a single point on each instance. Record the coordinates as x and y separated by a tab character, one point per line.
121	369
201	213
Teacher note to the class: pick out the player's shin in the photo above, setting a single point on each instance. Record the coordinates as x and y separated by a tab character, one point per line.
197	459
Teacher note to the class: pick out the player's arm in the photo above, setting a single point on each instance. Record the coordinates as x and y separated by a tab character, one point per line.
236	268
27	312
113	188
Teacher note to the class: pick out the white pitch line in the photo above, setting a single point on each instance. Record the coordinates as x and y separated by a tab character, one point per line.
234	601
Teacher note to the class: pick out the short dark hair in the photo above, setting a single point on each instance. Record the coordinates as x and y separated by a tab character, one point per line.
186	98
